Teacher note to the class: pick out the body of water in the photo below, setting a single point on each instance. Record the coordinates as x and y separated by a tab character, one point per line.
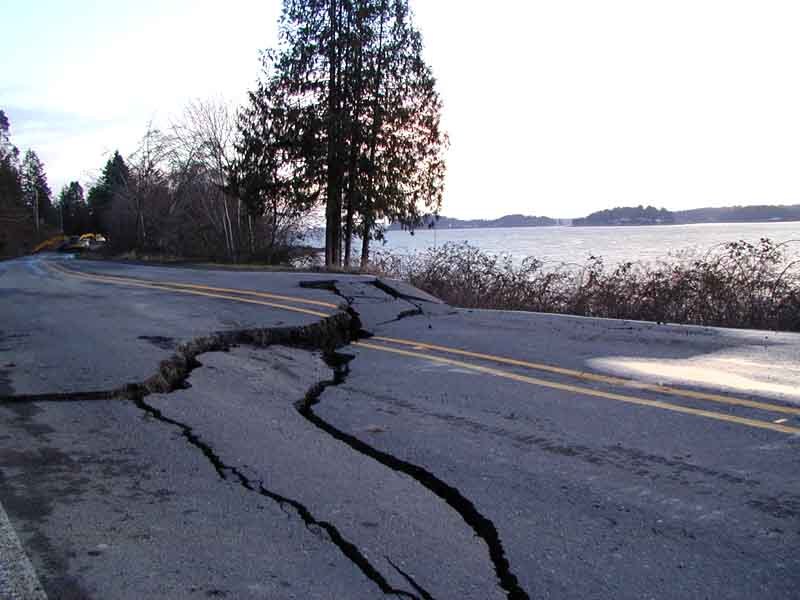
614	244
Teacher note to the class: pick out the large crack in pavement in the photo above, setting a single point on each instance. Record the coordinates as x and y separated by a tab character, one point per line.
173	374
60	397
422	592
347	548
387	289
483	527
326	336
330	285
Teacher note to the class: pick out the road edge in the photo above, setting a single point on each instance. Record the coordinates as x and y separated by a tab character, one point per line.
16	570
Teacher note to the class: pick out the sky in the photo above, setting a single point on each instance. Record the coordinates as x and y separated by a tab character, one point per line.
555	108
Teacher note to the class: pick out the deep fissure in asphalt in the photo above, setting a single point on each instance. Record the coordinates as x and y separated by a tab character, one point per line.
174	373
330	285
403	314
61	397
483	527
425	595
387	289
348	549
325	336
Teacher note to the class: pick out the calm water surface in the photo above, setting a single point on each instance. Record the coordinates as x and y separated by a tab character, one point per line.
614	244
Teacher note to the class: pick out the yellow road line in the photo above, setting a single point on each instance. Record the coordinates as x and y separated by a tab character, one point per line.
116	281
640	385
584	391
193	286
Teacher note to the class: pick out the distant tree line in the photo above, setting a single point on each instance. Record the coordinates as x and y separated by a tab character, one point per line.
516	220
628	215
24	187
23	183
639	215
739	214
344	121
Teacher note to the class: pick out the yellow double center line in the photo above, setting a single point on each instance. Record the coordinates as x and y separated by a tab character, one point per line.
603	394
207	291
261	298
596	377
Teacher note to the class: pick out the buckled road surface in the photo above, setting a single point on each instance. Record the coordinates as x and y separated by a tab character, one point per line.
178	432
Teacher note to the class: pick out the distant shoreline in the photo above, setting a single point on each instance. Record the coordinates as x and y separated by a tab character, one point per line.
626	216
604	226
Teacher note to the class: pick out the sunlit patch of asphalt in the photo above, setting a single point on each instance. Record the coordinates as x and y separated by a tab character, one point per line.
710	371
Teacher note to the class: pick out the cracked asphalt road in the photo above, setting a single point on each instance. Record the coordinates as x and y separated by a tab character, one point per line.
184	433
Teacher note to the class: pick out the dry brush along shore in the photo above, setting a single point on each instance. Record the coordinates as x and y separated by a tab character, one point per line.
738	284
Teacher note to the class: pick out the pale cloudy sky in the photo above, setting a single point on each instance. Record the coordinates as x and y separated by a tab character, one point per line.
556	107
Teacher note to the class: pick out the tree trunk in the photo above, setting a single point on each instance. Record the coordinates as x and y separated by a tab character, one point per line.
250	237
143	237
348	231
227	228
274	236
367	202
36	211
364	251
355	80
333	210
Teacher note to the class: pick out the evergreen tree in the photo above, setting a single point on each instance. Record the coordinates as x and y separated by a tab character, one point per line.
112	182
404	169
306	77
35	190
74	210
362	114
10	188
265	174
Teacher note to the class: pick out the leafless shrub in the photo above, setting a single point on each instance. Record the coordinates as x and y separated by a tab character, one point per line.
177	202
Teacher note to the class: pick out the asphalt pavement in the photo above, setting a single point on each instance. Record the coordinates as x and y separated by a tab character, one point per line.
178	432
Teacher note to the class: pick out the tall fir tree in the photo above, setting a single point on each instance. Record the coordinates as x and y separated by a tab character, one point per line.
265	174
403	169
10	186
113	181
35	190
363	115
73	208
